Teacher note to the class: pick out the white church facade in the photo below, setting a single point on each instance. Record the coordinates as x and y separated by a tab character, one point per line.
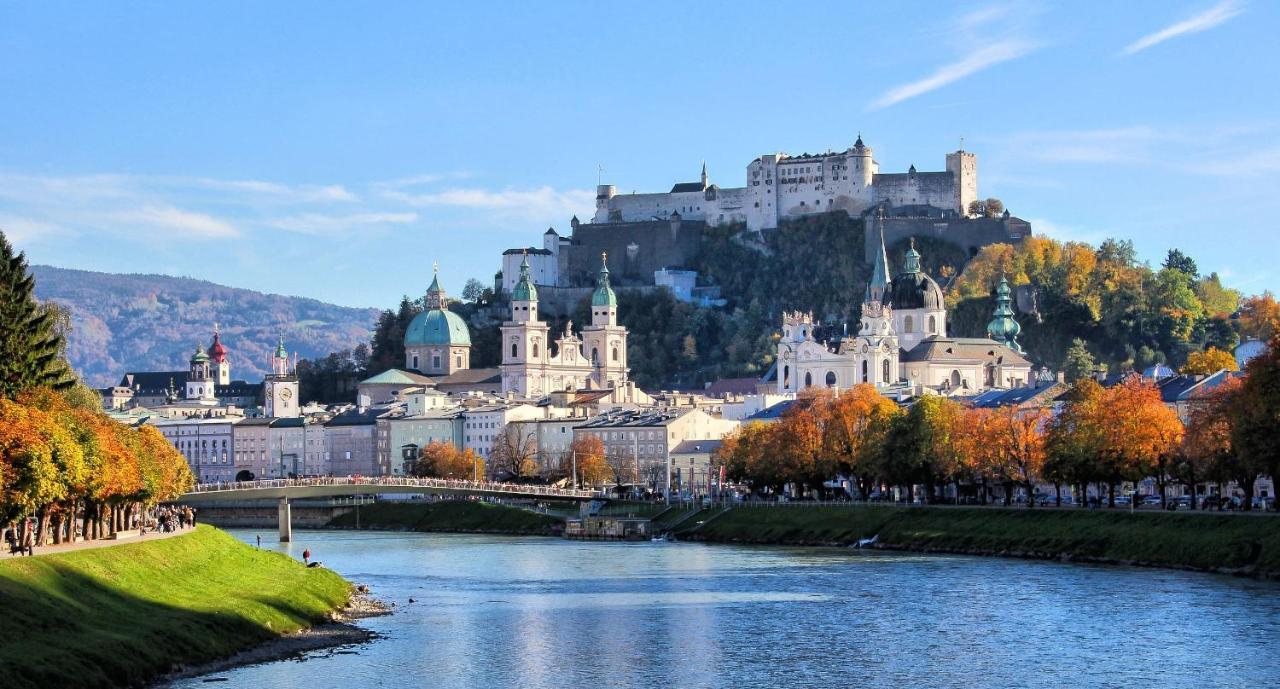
902	342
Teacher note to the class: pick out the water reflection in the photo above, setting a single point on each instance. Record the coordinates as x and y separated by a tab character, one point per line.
506	612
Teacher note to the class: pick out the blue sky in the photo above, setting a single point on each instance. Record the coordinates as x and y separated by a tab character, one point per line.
337	150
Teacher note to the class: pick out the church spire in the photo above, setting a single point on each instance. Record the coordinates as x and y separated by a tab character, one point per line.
1003	328
879	284
704	174
435	293
604	295
524	289
912	265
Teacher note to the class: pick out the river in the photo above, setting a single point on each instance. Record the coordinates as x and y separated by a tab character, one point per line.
495	612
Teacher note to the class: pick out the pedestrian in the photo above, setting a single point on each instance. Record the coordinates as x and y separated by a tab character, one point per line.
29	540
259	540
306	556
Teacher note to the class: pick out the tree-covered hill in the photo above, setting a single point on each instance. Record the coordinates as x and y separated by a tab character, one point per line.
153	322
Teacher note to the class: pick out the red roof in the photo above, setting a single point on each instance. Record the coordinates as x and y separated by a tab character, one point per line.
217	352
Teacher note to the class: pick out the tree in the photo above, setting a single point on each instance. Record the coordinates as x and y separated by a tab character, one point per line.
473	291
1016	442
432	459
587	453
1176	260
1206	449
1255	412
1139	433
1074	438
30	346
1260	317
1209	361
854	434
1079	362
993	207
515	451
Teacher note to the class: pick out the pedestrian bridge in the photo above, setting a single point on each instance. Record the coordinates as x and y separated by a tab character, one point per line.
284	490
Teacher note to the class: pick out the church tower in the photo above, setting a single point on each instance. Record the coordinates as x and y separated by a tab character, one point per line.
876	347
280	388
604	341
437	341
524	340
1003	328
200	382
218	358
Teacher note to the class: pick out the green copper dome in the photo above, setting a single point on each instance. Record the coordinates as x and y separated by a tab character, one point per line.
524	289
1003	328
604	296
199	356
280	350
437	327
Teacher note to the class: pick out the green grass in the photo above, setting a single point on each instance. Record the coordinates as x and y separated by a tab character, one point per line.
124	614
451	515
1208	542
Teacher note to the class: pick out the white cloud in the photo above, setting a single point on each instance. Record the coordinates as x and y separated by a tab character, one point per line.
185	223
20	230
541	202
1214	16
986	56
970	35
320	224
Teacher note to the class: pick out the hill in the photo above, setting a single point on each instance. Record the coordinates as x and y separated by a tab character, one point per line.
153	322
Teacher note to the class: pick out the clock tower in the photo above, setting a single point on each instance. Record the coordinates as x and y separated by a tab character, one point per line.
280	388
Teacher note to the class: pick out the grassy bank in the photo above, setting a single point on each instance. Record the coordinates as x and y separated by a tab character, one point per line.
464	516
1208	542
124	614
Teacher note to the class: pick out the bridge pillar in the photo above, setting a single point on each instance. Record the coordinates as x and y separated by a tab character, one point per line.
286	527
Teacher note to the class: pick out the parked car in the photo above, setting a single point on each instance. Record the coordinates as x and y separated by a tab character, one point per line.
1183	502
1151	500
1124	500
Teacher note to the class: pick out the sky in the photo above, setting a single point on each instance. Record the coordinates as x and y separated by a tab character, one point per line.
339	150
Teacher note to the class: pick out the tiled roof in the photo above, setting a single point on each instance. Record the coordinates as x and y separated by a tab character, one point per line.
691	447
774	412
395	376
963	349
685	187
732	386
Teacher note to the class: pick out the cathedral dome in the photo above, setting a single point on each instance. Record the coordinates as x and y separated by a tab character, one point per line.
437	327
912	288
915	291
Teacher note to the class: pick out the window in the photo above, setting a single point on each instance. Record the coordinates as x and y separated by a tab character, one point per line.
435	361
884	366
786	376
535	350
415	361
831	379
933	325
615	353
808	379
513	350
864	370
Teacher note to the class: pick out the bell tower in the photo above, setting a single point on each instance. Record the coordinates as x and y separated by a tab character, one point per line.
524	340
604	341
280	388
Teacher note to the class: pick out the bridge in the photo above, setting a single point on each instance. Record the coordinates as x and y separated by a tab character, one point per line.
284	490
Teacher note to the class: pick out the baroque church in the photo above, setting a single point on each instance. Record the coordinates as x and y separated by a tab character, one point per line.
902	342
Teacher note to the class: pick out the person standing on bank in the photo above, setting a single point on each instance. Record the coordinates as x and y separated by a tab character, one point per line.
306	556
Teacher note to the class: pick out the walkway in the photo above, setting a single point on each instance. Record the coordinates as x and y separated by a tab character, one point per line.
333	485
90	545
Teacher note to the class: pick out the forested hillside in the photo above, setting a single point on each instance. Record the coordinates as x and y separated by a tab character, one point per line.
153	322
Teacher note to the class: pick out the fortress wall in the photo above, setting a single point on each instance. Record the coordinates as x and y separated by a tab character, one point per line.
645	207
923	188
970	234
656	244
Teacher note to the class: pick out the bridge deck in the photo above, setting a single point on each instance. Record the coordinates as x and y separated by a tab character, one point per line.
335	486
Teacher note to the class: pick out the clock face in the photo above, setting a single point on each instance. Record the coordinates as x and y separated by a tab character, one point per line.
286	394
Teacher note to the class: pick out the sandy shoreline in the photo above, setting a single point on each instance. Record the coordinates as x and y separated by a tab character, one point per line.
337	633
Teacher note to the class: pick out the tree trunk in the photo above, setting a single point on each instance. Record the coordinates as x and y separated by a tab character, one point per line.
1031	498
1247	487
1111	495
1057	490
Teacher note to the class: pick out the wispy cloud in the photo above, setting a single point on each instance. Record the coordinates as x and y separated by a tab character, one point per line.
321	224
971	34
540	202
183	223
1226	150
1214	16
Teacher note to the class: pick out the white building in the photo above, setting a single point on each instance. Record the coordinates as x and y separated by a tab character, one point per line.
779	187
208	445
901	341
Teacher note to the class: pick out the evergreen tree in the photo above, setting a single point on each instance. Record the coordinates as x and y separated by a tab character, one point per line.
1176	260
30	345
1079	362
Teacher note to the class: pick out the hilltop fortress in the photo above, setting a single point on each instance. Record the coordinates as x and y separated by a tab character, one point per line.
654	239
782	187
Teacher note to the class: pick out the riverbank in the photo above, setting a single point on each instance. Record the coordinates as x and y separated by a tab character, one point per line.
1228	544
450	516
128	614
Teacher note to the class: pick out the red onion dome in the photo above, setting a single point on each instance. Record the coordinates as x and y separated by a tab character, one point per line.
217	352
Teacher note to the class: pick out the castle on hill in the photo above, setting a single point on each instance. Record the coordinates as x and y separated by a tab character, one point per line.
783	187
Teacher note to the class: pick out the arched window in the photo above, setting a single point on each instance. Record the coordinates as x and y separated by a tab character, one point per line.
615	353
786	376
864	370
808	379
415	361
884	371
933	325
908	324
513	350
595	355
831	379
955	379
535	350
459	361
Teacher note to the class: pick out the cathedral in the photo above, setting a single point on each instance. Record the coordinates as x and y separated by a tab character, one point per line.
901	341
595	359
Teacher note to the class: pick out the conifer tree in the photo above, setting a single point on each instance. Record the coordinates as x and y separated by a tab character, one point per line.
30	345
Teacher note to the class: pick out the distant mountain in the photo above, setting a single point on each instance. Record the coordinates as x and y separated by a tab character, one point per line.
153	322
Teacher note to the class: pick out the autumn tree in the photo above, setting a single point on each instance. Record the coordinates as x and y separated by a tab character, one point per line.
1016	440
586	453
1139	434
432	457
1260	317
1209	361
921	446
854	434
1206	452
1255	412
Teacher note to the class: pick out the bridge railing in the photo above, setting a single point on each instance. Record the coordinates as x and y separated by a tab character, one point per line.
397	482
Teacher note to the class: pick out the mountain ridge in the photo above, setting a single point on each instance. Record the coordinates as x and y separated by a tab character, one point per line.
148	321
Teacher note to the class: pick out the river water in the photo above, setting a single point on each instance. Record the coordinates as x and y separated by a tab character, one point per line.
540	612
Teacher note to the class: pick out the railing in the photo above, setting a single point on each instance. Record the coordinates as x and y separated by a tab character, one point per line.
396	482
